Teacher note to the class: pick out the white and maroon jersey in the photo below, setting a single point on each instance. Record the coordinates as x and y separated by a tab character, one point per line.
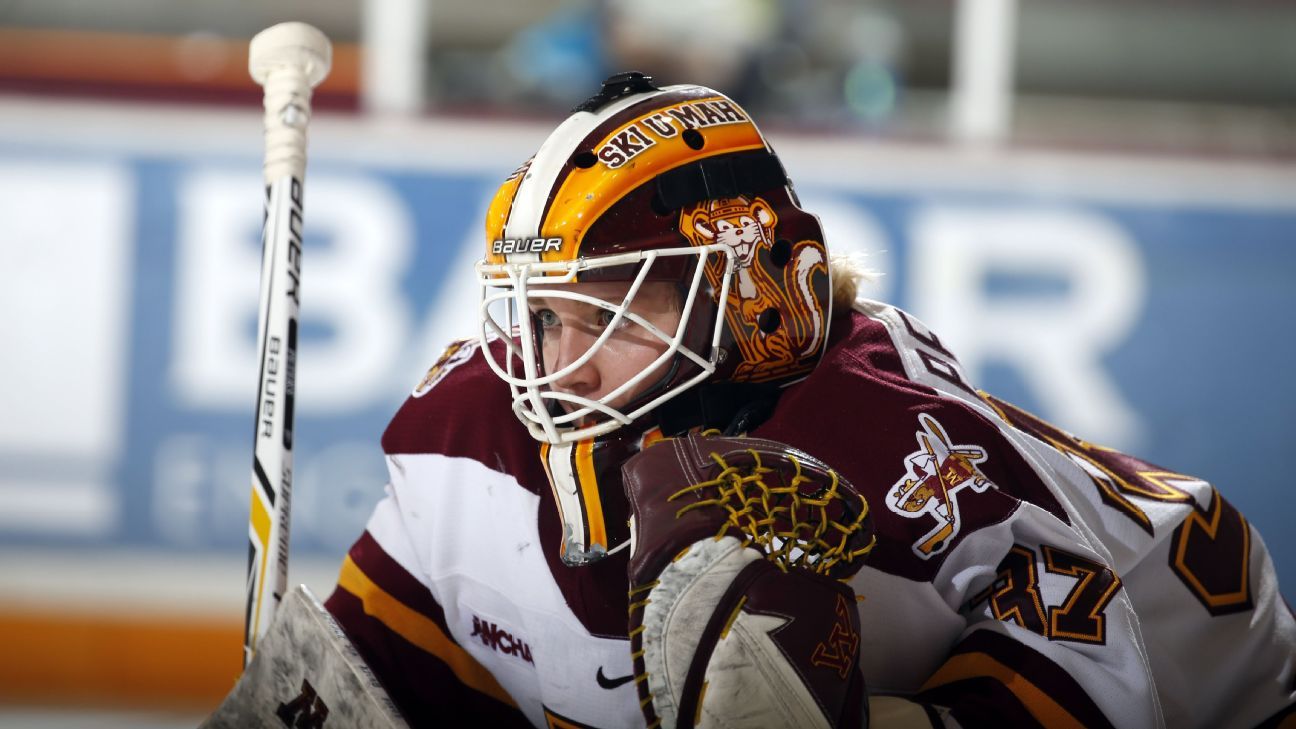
1022	577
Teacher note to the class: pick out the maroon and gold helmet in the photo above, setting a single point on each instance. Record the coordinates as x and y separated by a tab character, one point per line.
645	184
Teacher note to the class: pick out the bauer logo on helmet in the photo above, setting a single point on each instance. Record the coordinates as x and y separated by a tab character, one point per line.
525	245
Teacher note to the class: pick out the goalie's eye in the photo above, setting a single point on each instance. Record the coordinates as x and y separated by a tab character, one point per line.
547	318
604	318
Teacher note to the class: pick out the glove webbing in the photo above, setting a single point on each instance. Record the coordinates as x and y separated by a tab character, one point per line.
790	528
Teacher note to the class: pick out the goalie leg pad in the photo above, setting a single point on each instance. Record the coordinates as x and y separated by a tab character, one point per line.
306	673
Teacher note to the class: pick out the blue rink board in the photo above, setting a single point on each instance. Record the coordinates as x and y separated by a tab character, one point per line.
1206	365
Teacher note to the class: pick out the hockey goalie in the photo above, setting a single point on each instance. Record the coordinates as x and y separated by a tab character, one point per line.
684	476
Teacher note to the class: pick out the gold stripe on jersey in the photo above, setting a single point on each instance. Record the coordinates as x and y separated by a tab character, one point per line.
419	630
1043	707
583	454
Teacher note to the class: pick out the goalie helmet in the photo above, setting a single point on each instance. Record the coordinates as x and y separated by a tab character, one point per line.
644	184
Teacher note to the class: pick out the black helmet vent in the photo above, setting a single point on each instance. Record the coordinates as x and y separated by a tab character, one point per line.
616	86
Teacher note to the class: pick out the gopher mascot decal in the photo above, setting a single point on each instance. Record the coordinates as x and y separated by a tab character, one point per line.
772	312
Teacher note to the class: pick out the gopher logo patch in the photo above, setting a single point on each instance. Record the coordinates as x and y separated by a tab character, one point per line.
456	354
937	472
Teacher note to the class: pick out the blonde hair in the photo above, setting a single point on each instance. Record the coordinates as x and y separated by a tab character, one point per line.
848	273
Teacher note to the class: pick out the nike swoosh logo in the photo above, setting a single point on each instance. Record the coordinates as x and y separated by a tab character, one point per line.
611	683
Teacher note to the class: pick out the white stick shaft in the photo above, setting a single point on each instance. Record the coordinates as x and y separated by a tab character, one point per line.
287	60
273	445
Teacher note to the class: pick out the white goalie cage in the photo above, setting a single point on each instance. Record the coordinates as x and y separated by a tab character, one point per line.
553	416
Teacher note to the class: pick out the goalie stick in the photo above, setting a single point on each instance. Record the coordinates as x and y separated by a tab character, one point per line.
287	60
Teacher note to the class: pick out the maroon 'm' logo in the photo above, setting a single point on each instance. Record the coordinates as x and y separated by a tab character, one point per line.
838	651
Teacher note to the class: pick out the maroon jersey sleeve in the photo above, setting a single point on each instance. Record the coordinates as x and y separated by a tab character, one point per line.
984	599
400	631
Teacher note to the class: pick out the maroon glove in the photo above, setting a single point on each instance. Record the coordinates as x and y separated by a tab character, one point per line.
738	605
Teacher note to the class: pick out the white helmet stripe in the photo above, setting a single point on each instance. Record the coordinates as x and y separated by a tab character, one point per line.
529	202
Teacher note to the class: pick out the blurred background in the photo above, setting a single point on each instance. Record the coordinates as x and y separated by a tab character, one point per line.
1094	204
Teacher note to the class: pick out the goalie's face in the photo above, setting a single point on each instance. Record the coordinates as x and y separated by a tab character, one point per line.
569	331
594	344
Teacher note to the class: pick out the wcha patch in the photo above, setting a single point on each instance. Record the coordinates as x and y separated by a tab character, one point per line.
937	472
498	639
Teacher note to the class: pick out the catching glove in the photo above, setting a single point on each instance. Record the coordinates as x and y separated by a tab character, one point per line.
739	611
